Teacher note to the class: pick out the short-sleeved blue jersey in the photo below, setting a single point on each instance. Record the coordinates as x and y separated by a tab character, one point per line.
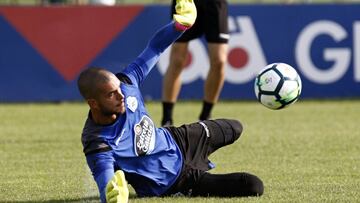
148	155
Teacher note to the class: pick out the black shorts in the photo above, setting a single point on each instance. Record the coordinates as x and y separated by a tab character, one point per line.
211	21
196	142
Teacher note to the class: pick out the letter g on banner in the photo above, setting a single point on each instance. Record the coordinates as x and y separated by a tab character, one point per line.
340	56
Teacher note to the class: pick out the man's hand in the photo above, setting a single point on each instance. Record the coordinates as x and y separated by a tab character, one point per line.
185	14
116	189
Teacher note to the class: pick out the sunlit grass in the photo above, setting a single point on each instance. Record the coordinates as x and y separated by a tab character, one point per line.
308	152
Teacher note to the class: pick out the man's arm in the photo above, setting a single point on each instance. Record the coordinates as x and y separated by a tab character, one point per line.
140	68
163	38
102	168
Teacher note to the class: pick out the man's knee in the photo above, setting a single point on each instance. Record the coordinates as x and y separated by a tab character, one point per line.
217	65
231	129
178	55
237	126
178	62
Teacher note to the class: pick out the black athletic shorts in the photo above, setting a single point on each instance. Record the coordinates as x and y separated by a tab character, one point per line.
211	21
196	142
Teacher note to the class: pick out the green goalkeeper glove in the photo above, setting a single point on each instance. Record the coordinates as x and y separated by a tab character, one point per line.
185	14
116	189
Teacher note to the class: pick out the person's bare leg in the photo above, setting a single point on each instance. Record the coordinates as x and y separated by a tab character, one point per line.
172	81
215	78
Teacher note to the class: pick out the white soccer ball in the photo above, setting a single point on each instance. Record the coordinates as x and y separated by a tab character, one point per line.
277	86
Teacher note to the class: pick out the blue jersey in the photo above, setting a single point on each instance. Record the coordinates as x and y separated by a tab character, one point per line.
149	156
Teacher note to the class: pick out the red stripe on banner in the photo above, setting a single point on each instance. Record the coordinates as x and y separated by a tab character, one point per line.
70	37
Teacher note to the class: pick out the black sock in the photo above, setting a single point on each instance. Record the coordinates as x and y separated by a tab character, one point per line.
167	113
206	110
228	185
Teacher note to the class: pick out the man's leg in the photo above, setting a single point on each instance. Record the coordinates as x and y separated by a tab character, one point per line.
228	185
172	80
196	142
215	78
222	132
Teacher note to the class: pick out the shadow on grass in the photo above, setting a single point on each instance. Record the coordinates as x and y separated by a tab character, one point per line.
85	199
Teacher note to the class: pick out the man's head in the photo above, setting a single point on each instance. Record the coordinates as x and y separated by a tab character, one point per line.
101	89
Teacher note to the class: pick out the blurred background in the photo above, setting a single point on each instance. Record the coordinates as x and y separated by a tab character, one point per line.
45	44
308	152
117	2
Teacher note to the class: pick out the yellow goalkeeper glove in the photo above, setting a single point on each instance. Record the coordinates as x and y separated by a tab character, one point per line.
116	189
185	14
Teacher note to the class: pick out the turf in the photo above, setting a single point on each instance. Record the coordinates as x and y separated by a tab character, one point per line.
308	152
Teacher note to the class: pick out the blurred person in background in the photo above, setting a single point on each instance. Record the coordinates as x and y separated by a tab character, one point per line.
54	2
103	2
212	22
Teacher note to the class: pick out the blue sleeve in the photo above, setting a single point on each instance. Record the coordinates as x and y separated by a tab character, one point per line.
102	168
140	68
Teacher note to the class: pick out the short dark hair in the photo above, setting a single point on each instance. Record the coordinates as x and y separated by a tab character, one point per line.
89	79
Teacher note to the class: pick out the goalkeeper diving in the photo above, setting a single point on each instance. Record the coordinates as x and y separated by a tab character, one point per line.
123	146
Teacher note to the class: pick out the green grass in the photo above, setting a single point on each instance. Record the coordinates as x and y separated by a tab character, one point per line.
308	152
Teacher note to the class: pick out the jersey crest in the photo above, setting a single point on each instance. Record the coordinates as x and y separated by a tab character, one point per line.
144	136
132	103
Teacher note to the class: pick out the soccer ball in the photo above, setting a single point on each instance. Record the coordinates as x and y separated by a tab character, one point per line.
277	86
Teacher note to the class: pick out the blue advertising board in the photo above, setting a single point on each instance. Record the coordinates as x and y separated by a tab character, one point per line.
43	49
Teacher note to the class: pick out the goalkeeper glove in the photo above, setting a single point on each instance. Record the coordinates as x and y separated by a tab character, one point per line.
116	189
185	14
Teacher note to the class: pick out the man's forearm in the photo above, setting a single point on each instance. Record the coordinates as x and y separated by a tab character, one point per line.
162	39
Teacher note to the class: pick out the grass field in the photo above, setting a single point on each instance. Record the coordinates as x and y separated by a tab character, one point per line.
309	152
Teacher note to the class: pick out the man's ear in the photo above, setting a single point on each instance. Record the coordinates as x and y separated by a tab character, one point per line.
92	103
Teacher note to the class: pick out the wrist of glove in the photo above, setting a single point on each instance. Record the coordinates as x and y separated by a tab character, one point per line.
185	14
116	189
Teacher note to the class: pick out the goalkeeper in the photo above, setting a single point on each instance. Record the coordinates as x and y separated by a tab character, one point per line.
122	144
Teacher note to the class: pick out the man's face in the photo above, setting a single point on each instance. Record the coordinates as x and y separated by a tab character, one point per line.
110	99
